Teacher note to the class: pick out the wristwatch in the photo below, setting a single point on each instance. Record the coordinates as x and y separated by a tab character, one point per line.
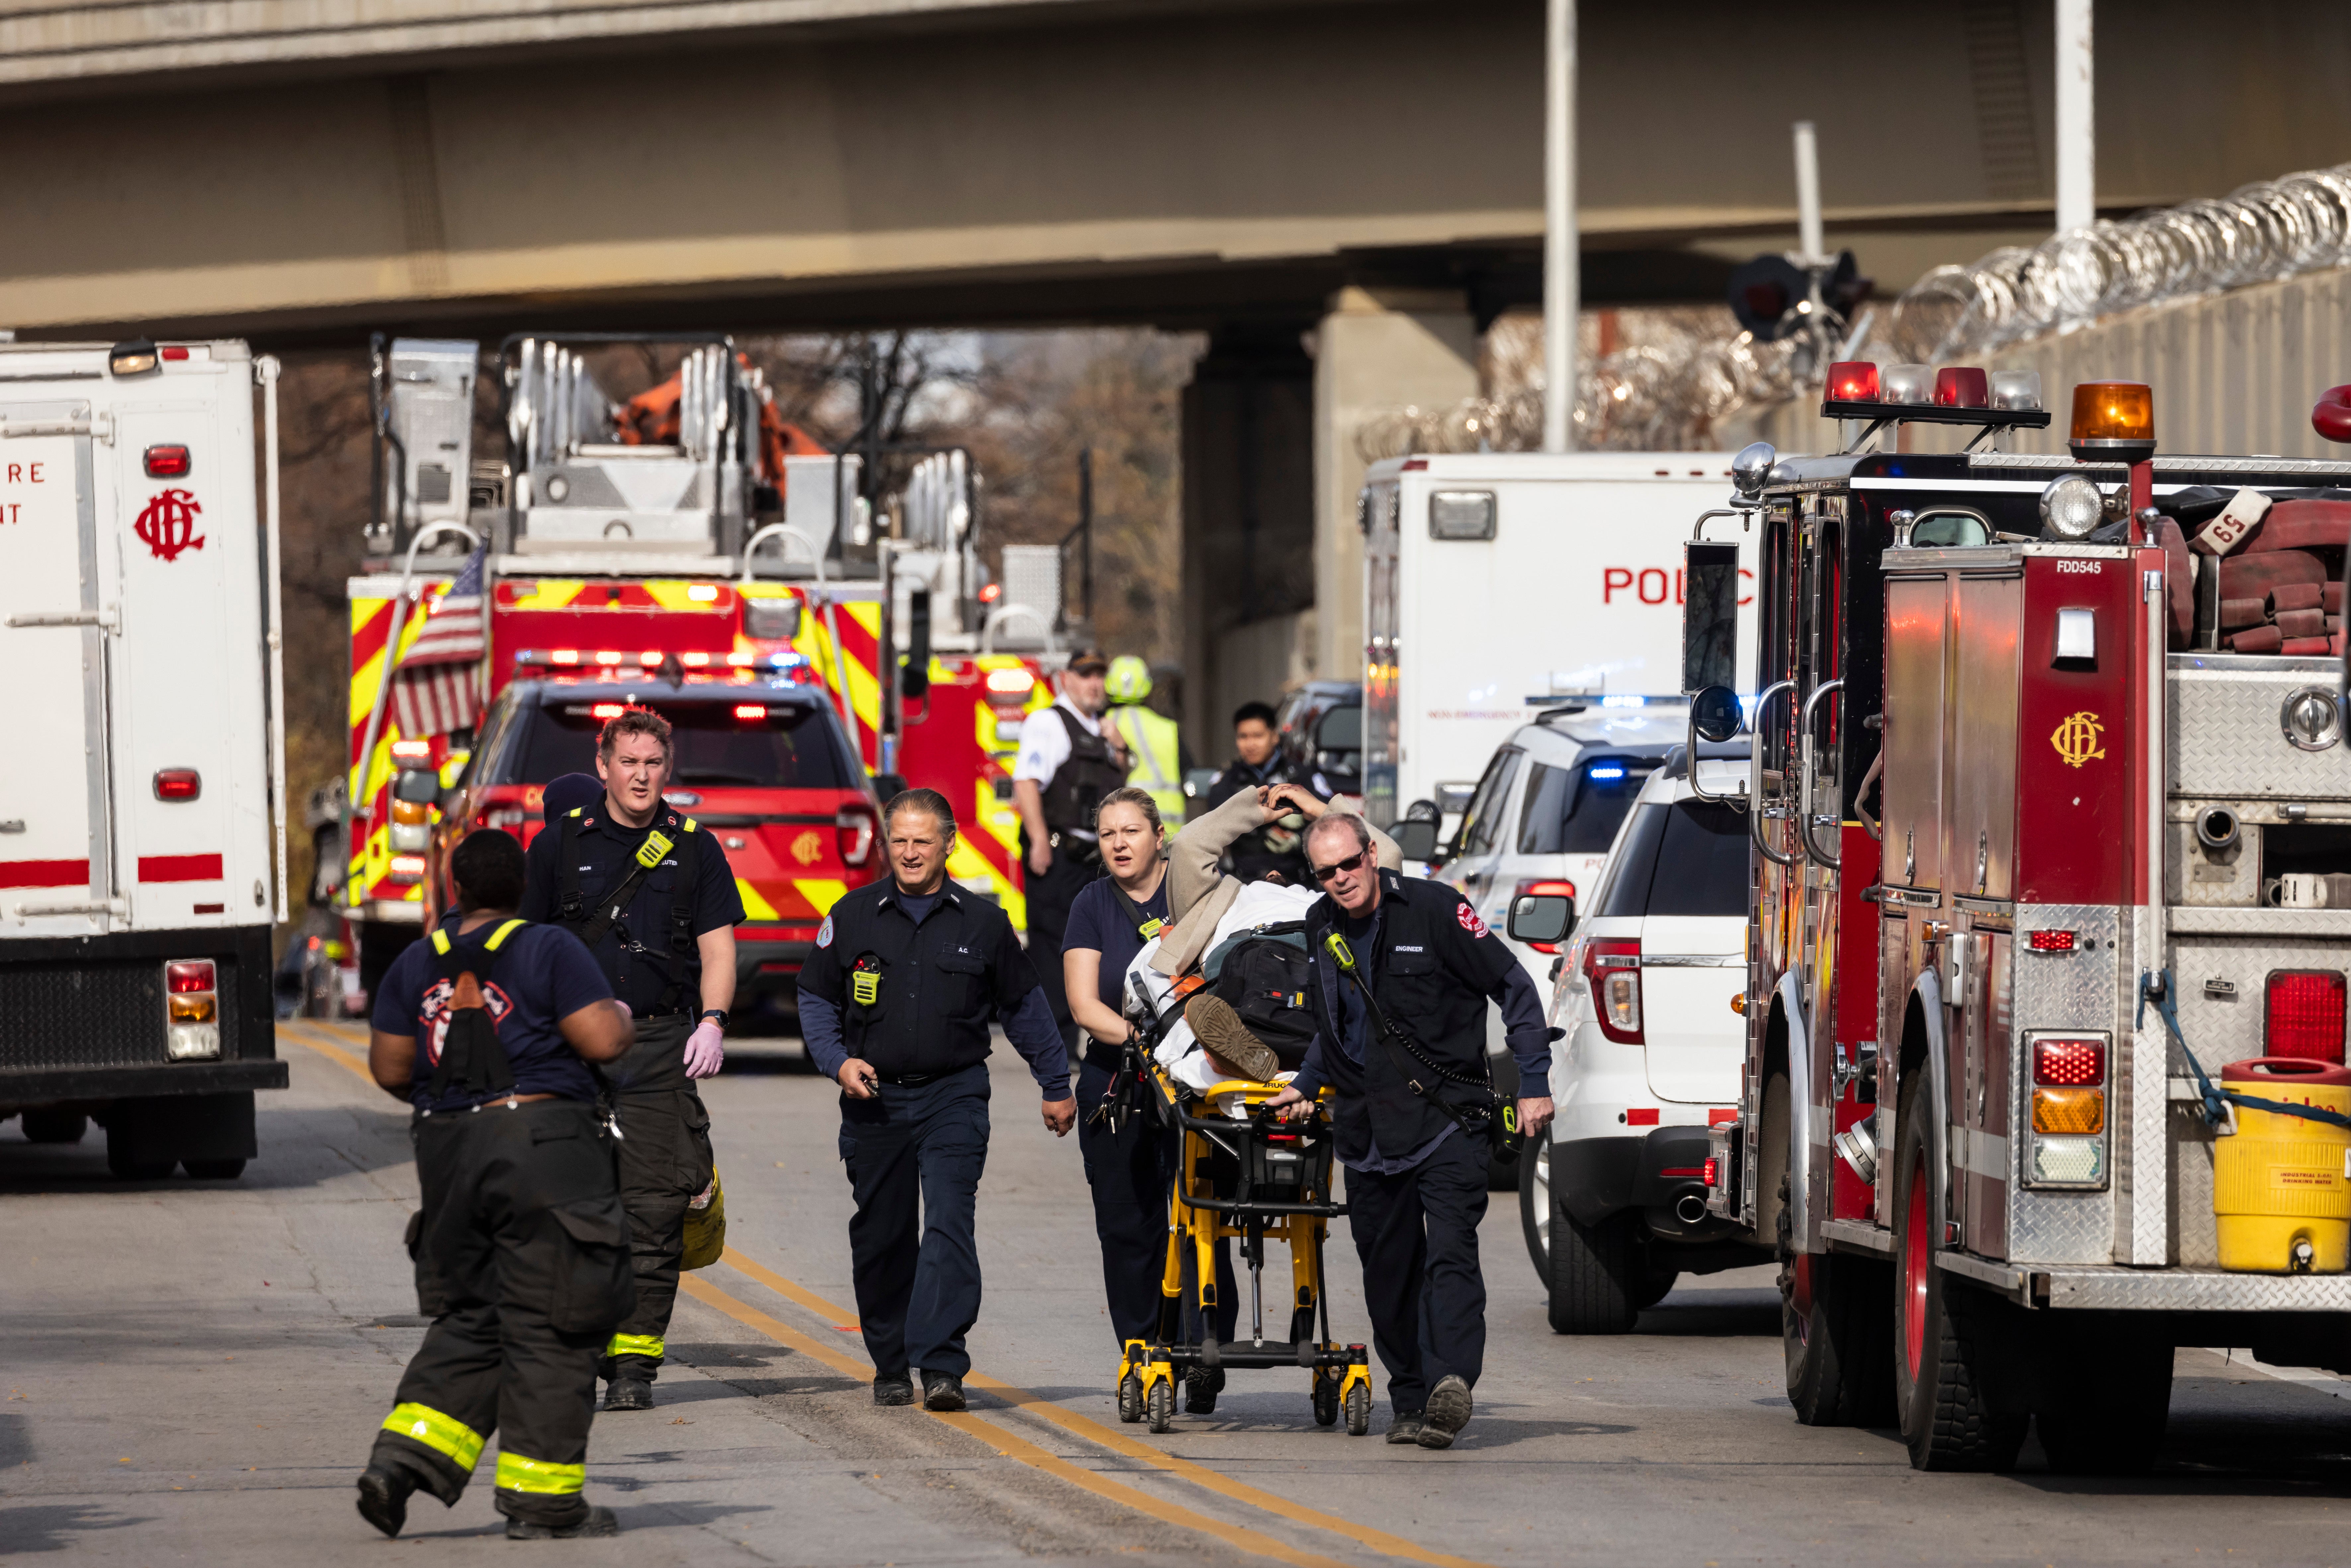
718	1013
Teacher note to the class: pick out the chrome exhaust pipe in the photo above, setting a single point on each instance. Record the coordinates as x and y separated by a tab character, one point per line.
1689	1208
1858	1145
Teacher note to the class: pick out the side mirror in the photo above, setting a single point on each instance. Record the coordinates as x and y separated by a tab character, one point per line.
1541	917
1714	714
1751	469
1709	615
1415	838
915	677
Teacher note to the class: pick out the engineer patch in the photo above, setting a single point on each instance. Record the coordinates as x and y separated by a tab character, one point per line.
1469	921
824	933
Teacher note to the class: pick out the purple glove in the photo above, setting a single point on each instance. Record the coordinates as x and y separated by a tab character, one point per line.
703	1051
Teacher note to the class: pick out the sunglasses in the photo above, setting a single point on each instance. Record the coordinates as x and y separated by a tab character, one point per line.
1325	872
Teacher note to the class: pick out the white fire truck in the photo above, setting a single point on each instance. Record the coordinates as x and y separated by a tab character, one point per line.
2050	826
1500	585
139	619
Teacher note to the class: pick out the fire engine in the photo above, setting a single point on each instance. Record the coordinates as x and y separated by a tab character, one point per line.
139	596
2045	990
664	550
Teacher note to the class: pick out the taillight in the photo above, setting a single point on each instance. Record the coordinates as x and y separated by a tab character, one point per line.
852	831
178	784
1612	965
1014	685
191	1010
1564	889
168	463
2067	1063
2046	941
407	870
2306	1015
1713	1168
2067	1112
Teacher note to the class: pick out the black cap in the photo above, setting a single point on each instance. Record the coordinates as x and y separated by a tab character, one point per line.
1089	661
566	794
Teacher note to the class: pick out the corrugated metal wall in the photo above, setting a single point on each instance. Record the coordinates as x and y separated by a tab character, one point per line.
2234	373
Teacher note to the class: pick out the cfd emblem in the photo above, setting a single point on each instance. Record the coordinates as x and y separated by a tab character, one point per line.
168	526
2076	740
808	848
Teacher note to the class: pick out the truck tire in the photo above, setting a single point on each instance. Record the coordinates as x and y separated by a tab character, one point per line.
1534	1205
1945	1360
2111	1421
55	1126
1836	1313
1594	1273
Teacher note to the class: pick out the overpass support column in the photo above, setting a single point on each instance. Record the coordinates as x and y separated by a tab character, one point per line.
1377	349
1249	526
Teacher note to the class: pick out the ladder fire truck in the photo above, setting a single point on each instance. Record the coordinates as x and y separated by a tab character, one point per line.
680	537
2050	823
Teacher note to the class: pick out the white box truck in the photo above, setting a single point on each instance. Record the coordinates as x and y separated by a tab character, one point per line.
142	863
1499	585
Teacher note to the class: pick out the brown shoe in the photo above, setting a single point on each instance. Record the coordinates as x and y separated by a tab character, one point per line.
1223	1036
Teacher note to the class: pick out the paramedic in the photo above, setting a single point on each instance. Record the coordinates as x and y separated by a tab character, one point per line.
521	1248
1068	761
1130	1165
1415	953
895	1003
655	902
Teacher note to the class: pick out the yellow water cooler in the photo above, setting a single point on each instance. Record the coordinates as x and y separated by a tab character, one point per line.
2281	1184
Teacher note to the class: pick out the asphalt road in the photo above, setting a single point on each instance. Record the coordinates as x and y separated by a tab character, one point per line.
193	1372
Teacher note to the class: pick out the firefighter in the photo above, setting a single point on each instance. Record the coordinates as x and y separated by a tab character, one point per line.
1412	959
1068	760
654	898
1270	853
895	1004
1151	738
521	1248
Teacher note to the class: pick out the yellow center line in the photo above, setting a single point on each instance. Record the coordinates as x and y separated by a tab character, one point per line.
334	1053
1119	1443
1241	1538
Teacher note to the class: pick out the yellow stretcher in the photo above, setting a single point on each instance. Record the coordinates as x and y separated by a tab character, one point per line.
1260	1180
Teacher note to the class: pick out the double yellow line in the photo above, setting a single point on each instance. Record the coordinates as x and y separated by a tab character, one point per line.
1241	1538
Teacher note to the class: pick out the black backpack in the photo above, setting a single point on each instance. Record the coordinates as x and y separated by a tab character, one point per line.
1262	975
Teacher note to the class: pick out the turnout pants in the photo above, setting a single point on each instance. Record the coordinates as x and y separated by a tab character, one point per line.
1416	1233
1050	898
665	1160
1131	1175
522	1264
915	1154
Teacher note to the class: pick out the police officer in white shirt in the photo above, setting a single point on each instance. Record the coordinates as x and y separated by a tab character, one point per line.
1068	761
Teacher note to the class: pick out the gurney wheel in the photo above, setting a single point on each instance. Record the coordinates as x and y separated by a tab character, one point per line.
1163	1405
1130	1398
1359	1410
1326	1400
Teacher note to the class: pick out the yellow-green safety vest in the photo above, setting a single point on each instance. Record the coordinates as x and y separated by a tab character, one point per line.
1158	761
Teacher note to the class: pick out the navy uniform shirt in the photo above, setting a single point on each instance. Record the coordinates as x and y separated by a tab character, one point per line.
942	967
606	854
537	977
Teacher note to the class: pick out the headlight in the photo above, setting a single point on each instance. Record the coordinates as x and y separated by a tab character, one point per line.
2070	507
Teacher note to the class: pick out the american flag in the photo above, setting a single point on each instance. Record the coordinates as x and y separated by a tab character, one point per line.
438	687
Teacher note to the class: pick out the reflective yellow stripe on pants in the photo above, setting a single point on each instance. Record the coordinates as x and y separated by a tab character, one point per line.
517	1473
442	1433
645	1344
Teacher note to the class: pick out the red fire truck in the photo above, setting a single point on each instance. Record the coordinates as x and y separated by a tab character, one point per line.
2049	824
635	552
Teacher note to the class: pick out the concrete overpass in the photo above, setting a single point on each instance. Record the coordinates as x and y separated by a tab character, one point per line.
1361	176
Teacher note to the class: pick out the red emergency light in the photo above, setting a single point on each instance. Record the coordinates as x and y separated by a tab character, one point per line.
2069	1063
802	674
608	656
1853	381
991	592
2306	1015
695	660
607	710
751	710
1962	386
411	754
168	463
2052	941
564	656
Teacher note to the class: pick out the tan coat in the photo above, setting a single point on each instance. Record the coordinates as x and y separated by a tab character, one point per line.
1198	894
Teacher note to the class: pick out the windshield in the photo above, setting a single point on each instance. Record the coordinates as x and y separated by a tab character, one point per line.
790	746
1688	858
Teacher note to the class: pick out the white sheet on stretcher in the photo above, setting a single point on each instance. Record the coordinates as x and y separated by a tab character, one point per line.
1258	904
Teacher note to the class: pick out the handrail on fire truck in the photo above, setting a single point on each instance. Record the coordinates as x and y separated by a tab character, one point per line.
787	534
1004	612
1755	772
1805	781
391	658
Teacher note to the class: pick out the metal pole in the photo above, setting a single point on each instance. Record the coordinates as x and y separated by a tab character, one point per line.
1808	194
1563	286
2077	125
1086	537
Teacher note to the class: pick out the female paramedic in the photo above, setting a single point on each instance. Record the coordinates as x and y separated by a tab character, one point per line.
1131	1167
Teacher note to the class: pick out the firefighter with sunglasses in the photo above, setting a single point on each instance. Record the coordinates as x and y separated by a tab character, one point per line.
521	1251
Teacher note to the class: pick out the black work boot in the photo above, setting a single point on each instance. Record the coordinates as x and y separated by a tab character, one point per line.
383	1499
893	1388
598	1521
1404	1428
942	1390
1447	1413
1201	1384
626	1393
